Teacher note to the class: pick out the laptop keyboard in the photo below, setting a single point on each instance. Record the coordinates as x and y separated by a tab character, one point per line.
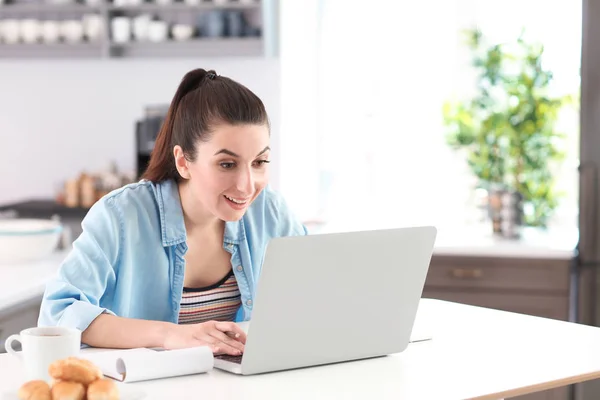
227	357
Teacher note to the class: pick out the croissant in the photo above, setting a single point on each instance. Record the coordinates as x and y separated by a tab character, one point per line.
74	369
103	389
72	379
65	390
35	390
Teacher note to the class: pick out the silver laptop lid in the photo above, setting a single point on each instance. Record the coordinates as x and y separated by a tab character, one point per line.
328	298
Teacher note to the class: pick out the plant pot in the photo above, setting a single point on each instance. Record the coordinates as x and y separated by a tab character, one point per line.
506	212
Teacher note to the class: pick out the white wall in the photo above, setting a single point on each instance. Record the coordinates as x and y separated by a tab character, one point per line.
58	118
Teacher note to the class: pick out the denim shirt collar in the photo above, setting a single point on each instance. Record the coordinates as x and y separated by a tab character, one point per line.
171	218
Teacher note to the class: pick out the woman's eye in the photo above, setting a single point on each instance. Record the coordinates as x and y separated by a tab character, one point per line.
227	165
261	163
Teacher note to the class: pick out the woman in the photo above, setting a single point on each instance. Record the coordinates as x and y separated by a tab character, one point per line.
173	260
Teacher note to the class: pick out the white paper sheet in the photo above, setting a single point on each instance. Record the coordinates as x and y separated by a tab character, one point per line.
146	364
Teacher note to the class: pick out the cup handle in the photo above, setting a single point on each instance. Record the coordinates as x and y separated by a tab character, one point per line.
8	345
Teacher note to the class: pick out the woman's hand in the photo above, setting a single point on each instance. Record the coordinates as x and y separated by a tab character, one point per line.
222	337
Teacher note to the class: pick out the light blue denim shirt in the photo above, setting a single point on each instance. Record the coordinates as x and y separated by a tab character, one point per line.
129	259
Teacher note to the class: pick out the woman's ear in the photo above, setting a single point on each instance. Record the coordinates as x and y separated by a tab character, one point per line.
181	163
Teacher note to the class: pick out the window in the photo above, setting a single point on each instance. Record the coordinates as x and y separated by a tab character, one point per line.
363	88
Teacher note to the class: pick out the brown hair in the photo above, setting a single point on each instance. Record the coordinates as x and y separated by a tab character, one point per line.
202	101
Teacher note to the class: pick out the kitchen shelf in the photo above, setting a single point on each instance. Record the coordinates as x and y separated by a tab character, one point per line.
246	46
54	50
204	47
147	7
43	8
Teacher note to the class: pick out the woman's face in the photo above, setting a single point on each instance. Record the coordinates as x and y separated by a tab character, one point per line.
230	169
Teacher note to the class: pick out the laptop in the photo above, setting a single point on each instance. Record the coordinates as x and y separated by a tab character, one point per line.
335	297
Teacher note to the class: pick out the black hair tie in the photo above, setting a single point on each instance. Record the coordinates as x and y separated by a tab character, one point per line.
211	75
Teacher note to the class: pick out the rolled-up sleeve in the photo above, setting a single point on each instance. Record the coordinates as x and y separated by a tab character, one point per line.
88	275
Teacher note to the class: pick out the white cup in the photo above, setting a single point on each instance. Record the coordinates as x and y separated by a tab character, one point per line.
93	26
72	30
42	346
31	30
50	31
182	31
157	31
11	30
141	23
121	29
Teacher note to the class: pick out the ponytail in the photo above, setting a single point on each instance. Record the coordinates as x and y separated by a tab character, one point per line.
162	164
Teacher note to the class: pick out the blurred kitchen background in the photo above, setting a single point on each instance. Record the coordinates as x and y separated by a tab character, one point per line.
315	64
469	115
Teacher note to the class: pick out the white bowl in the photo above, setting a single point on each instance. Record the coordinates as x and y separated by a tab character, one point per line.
182	32
24	240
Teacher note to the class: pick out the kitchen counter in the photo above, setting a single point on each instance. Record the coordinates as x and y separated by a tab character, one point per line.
478	241
533	244
22	283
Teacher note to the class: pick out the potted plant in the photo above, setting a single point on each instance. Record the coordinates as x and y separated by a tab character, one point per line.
507	129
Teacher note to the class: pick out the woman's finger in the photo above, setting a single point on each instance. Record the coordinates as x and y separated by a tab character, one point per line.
233	330
223	348
216	345
224	339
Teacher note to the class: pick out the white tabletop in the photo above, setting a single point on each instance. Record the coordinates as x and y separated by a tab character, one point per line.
475	353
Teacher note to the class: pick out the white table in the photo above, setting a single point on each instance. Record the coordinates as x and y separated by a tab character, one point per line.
476	353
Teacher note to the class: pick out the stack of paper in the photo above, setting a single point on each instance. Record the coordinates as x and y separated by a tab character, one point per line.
145	364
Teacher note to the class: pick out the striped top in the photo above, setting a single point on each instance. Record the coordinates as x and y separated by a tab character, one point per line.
218	302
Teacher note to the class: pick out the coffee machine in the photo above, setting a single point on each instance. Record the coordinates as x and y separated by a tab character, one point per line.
146	130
